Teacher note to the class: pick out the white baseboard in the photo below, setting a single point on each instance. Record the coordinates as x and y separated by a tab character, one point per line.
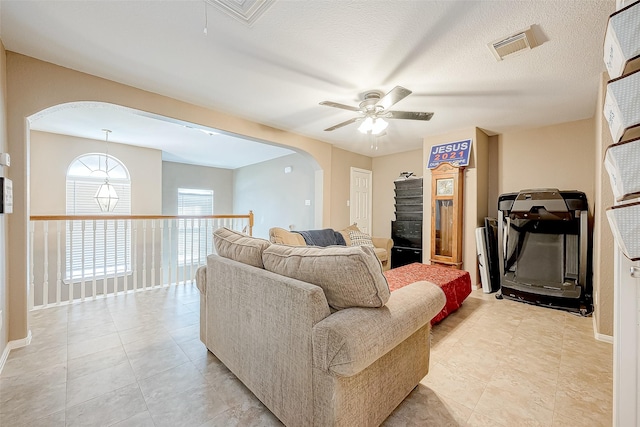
604	338
5	356
11	345
598	336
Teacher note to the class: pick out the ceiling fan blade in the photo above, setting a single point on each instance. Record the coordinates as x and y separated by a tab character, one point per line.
408	115
337	105
339	125
396	94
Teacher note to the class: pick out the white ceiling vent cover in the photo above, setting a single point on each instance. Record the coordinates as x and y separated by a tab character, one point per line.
513	44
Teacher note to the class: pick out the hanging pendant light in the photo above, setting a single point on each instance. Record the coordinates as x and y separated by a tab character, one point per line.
106	196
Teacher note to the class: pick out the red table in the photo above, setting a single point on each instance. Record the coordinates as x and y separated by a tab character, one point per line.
456	284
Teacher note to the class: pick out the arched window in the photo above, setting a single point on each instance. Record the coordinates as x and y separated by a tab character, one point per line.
97	248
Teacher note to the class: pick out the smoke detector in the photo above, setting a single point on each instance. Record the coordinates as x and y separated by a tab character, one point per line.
513	44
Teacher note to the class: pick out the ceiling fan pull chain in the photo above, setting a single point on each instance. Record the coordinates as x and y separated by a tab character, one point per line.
206	18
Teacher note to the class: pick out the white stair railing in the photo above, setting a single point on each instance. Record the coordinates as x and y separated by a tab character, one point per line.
117	254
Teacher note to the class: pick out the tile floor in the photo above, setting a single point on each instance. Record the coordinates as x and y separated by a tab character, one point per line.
136	360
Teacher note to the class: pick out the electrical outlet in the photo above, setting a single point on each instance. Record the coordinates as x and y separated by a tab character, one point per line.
307	202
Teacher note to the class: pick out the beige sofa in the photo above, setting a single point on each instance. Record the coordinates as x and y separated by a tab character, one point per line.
382	245
309	364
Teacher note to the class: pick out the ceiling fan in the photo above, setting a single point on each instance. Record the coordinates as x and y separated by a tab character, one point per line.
375	108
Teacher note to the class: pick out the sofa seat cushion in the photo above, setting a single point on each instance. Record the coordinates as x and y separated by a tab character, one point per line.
239	247
349	276
350	340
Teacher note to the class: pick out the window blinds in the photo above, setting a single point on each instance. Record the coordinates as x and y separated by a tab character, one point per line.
194	237
94	250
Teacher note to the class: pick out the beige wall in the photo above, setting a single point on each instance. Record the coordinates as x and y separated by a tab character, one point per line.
385	170
492	177
603	243
36	85
4	171
179	175
277	199
559	156
341	163
51	155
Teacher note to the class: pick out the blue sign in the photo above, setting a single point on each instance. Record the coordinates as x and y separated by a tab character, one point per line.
456	153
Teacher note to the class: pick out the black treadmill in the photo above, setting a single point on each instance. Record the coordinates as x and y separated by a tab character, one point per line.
543	245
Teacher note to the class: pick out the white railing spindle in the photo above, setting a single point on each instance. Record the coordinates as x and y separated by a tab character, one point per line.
161	252
144	254
105	280
45	278
184	252
170	246
82	258
134	255
125	282
58	262
115	259
70	266
32	232
191	256
153	253
94	285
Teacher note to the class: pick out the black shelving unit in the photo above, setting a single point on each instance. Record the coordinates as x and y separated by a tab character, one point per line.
406	230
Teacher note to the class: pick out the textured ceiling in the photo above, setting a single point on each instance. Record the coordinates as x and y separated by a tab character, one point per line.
298	53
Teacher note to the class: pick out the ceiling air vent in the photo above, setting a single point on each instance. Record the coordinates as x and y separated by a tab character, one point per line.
513	44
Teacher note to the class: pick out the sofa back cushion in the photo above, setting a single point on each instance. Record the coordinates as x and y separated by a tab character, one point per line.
284	237
239	247
349	276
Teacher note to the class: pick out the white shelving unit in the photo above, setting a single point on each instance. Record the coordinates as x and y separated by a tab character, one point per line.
621	50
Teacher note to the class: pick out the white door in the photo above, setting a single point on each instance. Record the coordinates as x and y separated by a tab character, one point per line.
360	199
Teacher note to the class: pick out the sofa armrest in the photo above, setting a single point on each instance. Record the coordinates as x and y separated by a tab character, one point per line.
351	339
383	242
284	237
201	279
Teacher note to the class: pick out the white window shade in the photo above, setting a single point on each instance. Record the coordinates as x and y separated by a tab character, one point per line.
624	221
622	41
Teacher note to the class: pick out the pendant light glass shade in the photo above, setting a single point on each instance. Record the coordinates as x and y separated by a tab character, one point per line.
106	196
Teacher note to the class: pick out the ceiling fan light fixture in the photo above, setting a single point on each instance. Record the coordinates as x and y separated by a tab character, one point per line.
374	108
373	126
379	125
366	125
